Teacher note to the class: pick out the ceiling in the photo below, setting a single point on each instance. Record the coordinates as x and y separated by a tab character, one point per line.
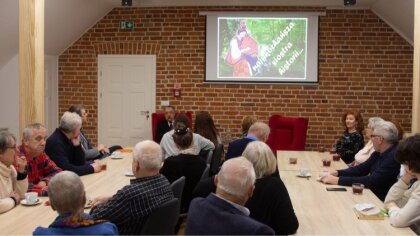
67	20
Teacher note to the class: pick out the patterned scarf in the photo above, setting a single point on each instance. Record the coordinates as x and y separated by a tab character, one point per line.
72	220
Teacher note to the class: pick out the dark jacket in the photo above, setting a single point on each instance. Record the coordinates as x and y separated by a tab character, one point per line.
65	155
162	128
237	147
216	216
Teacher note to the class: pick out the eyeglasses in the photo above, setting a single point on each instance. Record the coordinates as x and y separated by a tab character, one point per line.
375	135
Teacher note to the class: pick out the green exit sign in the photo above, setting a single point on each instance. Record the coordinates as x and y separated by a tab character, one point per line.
127	25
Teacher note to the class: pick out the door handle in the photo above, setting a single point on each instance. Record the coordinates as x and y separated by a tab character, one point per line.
145	113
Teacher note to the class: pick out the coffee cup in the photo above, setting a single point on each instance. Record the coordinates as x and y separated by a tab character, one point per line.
31	197
322	149
326	162
304	172
333	150
292	160
336	157
357	188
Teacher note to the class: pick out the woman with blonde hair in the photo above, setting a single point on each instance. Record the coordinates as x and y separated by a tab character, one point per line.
270	202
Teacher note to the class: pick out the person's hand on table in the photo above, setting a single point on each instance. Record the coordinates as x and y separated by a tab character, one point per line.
390	204
333	173
100	200
97	167
329	179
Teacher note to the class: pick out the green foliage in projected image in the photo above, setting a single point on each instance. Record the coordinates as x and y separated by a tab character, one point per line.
276	44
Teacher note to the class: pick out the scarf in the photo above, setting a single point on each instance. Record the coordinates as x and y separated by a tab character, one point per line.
72	220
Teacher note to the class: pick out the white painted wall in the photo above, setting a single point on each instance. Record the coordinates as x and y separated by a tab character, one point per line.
9	96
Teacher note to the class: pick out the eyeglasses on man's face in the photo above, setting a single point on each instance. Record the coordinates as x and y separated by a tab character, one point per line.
375	135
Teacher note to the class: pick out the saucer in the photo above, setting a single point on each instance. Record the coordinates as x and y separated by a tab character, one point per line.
129	173
303	176
23	202
121	156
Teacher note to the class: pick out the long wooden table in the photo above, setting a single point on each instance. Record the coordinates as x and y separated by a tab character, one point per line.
324	212
24	219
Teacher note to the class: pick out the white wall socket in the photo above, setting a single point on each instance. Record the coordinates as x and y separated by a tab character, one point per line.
164	103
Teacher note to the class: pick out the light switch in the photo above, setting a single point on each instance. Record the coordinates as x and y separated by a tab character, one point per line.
164	103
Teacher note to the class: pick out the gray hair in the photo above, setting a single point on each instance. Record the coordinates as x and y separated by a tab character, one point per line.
27	131
70	121
374	121
387	130
65	191
261	128
5	140
148	154
236	176
261	157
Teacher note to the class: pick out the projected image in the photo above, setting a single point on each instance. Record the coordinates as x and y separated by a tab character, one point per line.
262	48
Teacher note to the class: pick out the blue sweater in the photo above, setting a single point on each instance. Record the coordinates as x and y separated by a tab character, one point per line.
105	228
378	173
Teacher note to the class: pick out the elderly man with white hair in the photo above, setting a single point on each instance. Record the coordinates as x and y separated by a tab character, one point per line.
380	171
68	197
225	209
368	149
63	146
130	207
258	131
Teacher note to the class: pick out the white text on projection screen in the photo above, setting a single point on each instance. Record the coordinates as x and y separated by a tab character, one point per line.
258	49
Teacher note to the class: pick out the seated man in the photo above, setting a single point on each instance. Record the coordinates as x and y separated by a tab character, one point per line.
169	147
130	206
224	213
91	153
40	168
13	185
380	171
68	198
63	146
165	125
258	131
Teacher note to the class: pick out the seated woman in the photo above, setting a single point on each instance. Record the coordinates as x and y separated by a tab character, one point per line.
403	200
13	185
170	148
186	163
270	203
352	139
91	153
67	197
368	149
247	121
204	126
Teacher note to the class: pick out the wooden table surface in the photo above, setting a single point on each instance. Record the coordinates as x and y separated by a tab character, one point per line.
323	212
24	219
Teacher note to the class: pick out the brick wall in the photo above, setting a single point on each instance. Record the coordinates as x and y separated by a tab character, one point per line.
363	65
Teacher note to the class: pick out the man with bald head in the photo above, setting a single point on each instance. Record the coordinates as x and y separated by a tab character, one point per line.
258	131
225	209
130	207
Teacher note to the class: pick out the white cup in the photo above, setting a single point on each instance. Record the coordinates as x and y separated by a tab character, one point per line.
31	197
304	172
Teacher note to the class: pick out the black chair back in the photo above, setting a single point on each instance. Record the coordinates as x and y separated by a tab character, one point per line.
206	172
162	221
217	157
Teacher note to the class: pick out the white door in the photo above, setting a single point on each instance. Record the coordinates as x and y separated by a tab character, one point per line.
126	88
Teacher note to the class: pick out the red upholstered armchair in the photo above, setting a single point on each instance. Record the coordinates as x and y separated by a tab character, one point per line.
287	133
158	117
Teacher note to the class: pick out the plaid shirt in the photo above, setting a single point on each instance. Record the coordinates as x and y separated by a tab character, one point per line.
130	206
39	168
